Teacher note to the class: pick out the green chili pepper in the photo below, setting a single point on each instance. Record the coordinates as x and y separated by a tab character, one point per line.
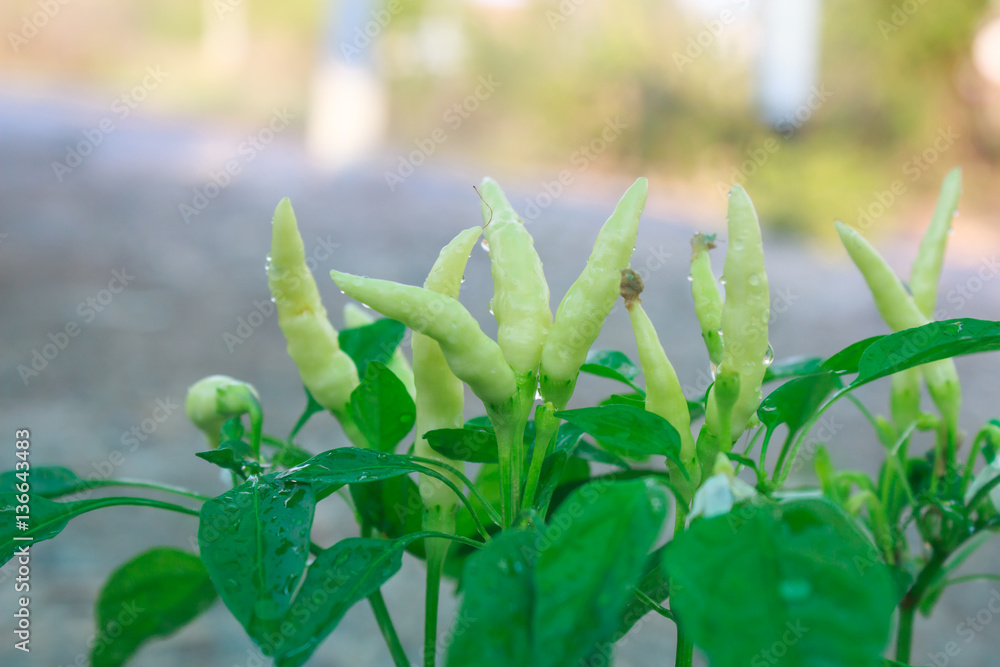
440	394
520	300
707	296
664	396
590	299
900	312
214	399
326	371
356	316
472	356
439	401
745	316
904	398
926	271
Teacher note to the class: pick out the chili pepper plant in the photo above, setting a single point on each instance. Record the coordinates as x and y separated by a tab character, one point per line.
565	527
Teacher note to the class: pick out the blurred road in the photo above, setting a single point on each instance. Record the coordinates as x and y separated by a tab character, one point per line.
128	297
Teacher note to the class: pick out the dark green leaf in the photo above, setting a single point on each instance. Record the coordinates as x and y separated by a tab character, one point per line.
48	481
628	429
372	342
588	452
341	576
653	584
799	575
235	455
153	595
382	408
254	541
921	345
392	507
792	367
614	365
583	579
47	518
794	402
636	399
473	444
332	469
493	625
847	360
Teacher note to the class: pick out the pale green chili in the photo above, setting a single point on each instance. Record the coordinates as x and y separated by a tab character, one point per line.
356	316
926	271
439	401
590	299
520	300
900	312
664	396
745	316
707	295
904	398
472	356
327	371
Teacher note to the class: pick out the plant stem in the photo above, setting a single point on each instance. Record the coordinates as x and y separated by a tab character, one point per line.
910	602
684	657
436	551
904	638
388	629
546	428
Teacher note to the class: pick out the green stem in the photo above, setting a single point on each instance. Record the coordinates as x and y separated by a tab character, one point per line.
509	428
388	629
435	564
684	656
911	601
166	488
546	429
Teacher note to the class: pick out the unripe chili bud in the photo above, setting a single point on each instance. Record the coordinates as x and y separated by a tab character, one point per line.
473	356
707	296
590	299
327	371
926	271
900	312
664	396
520	300
213	400
356	316
745	316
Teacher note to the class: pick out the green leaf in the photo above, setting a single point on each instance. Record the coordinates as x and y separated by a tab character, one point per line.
653	584
476	445
794	402
583	580
392	507
382	409
46	520
372	342
334	468
792	367
554	597
48	481
153	595
588	452
254	541
235	455
921	345
341	576
847	360
613	365
628	429
798	575
493	625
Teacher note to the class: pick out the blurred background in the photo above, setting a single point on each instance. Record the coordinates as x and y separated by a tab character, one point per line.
143	147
